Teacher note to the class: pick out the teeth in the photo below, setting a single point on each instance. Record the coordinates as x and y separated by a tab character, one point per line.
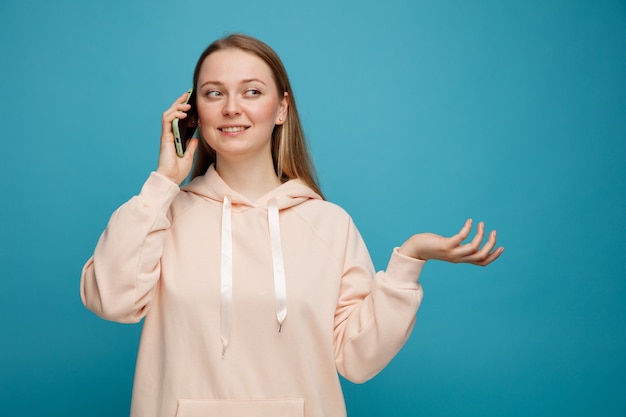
233	129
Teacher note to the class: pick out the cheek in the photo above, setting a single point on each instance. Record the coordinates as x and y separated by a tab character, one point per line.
207	113
207	118
264	112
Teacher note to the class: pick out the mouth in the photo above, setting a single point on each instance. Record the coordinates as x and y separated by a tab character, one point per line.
232	129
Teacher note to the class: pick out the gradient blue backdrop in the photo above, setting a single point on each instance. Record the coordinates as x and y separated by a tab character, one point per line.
419	114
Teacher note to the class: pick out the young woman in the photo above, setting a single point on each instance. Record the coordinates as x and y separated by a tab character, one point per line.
254	290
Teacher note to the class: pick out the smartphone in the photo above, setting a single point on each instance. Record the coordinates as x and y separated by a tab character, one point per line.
184	129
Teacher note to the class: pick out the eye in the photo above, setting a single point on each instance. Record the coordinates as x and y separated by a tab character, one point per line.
252	92
213	94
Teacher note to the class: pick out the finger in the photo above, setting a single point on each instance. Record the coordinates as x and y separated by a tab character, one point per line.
167	132
177	108
473	246
192	145
481	254
172	113
168	117
492	257
480	234
457	239
181	103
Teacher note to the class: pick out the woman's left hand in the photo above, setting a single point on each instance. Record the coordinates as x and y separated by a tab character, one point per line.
427	246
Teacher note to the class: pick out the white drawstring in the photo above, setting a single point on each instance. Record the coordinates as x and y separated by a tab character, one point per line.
226	274
280	286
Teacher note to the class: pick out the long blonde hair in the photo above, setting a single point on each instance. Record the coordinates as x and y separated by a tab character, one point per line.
290	152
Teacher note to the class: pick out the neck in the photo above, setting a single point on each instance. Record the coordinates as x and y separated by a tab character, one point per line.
252	179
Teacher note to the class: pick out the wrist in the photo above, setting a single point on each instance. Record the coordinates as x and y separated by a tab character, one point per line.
168	177
409	249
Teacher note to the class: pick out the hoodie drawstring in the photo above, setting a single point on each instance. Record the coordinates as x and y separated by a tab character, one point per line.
226	274
280	286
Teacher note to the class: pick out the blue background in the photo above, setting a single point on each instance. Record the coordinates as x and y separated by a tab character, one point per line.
419	114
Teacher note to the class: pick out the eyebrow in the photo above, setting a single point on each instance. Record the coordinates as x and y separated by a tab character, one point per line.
245	81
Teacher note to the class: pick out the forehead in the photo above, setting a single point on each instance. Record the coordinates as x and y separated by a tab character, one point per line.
232	66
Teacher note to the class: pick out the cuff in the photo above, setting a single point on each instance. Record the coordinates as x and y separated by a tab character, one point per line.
158	191
404	270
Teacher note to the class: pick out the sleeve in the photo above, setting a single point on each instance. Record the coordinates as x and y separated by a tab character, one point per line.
119	280
375	312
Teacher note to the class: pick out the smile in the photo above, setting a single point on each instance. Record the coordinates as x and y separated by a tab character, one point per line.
233	129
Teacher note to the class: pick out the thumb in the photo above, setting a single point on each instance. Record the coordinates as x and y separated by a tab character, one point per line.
192	146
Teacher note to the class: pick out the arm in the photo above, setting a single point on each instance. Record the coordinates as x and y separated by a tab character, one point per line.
376	312
118	281
374	318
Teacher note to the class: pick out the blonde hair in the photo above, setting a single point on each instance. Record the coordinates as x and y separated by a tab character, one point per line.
290	152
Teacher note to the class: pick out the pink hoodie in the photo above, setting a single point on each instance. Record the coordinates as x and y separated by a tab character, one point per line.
250	307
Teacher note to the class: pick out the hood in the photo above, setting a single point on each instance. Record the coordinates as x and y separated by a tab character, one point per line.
289	194
213	187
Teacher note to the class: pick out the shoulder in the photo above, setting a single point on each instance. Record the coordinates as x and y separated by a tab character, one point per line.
324	209
325	219
184	202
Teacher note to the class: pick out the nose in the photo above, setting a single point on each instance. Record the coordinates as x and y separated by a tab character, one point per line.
231	107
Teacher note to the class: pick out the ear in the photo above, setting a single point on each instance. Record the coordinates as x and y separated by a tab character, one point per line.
283	109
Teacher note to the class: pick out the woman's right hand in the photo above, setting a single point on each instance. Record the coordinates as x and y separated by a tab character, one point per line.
170	164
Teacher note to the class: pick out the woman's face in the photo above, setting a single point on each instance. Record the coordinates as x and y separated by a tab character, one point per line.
238	104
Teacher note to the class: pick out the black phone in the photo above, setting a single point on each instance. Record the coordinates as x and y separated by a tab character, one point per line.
184	129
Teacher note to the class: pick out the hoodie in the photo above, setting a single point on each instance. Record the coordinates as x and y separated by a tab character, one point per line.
249	307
